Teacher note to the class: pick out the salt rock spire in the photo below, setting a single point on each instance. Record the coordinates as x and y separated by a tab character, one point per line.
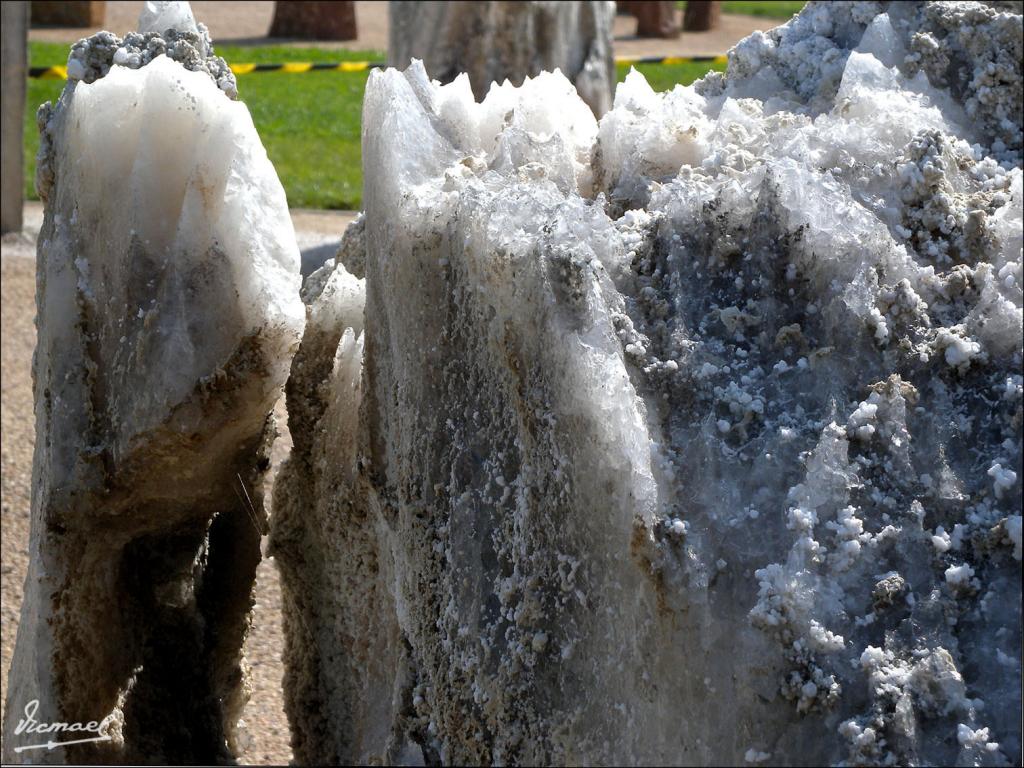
168	311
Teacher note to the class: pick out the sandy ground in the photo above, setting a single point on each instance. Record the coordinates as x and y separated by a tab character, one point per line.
247	23
17	434
318	234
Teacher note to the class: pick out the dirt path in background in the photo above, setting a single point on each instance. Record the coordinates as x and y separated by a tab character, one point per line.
17	436
247	23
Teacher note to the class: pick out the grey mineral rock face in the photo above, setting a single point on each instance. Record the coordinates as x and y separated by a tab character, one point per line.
341	652
495	41
692	436
168	310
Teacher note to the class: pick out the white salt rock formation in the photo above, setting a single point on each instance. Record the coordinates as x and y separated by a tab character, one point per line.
498	41
161	15
168	311
689	437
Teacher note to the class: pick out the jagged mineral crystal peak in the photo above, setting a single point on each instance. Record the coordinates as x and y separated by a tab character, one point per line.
161	15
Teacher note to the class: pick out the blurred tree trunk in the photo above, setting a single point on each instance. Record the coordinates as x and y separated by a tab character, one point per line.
653	19
701	15
314	20
13	73
69	14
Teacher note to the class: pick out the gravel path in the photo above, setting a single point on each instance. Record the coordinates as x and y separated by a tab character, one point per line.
247	23
17	429
318	234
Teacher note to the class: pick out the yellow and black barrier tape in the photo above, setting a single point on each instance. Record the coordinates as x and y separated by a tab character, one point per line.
61	72
294	67
629	61
49	73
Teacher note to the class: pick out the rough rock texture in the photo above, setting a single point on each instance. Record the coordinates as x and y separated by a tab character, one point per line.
168	310
498	41
165	29
689	437
352	249
341	652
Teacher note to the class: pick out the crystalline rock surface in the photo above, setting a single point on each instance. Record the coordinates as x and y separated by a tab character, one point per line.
692	436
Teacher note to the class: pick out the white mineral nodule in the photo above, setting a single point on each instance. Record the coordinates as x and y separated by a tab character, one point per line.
693	394
168	310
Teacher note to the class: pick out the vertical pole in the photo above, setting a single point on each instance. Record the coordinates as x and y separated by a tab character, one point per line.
14	45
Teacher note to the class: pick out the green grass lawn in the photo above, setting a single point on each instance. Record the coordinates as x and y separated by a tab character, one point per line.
769	9
308	122
665	77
